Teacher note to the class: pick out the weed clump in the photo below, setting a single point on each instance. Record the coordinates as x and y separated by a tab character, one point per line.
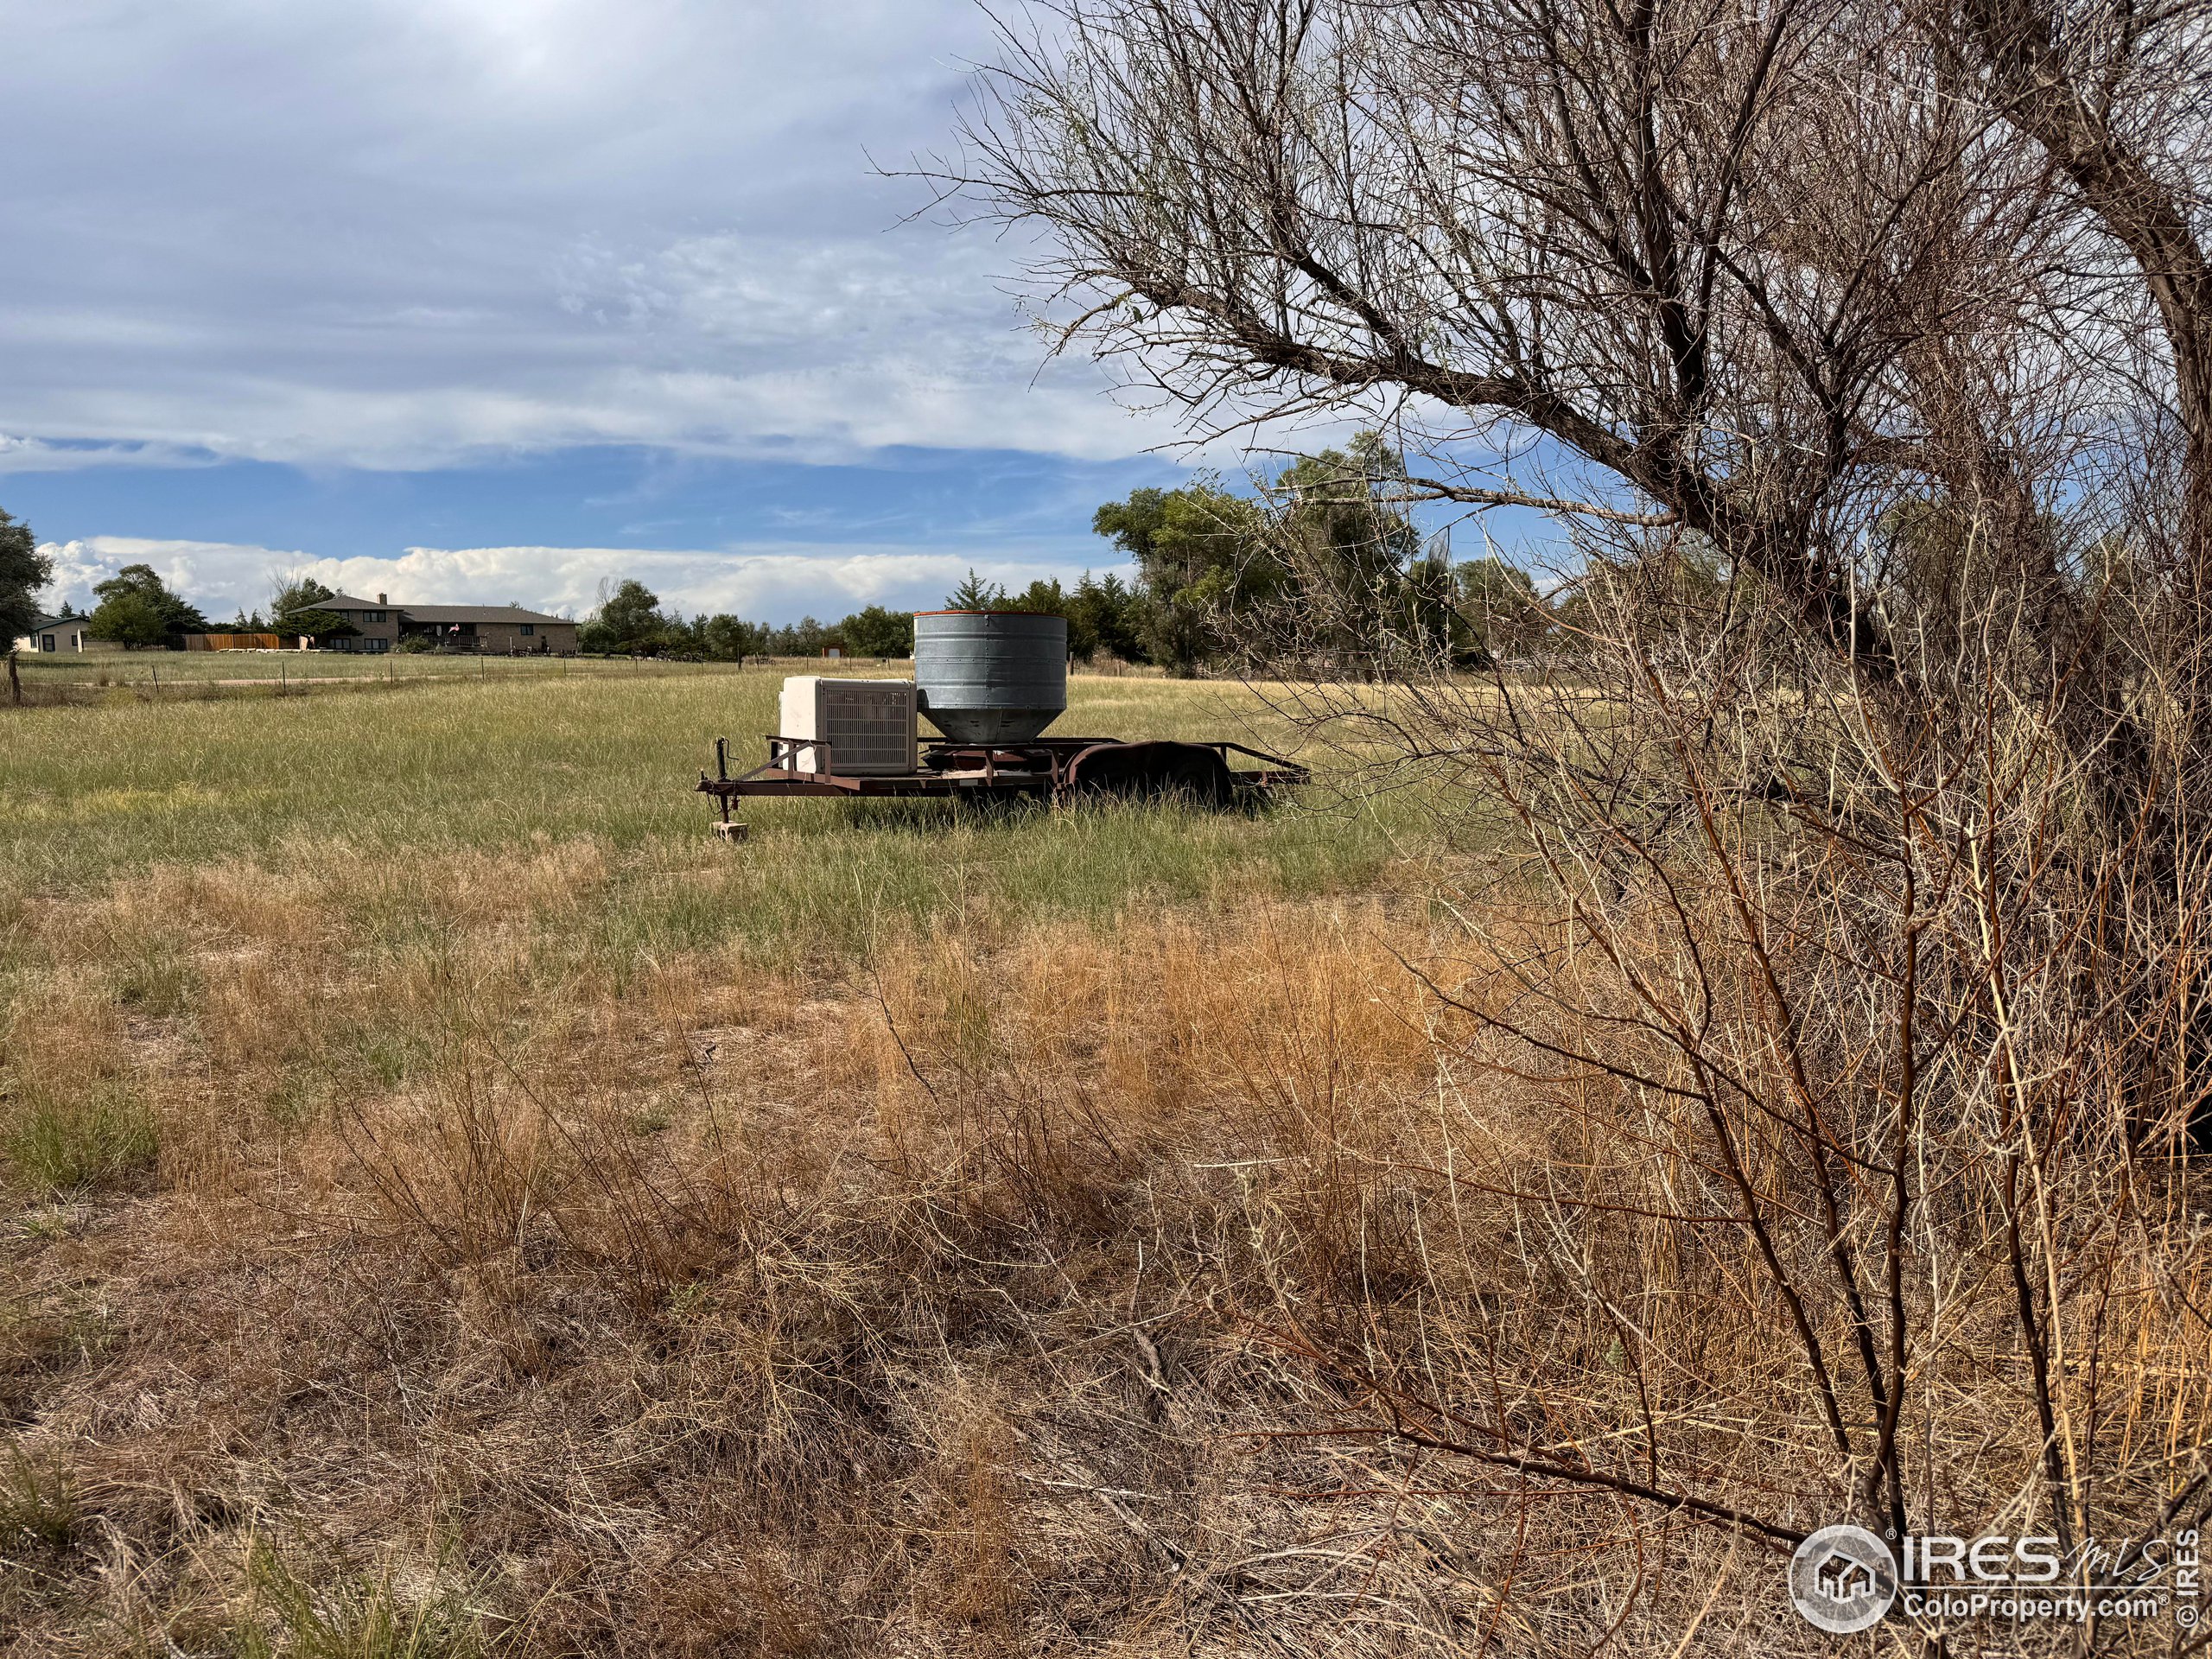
101	1137
37	1507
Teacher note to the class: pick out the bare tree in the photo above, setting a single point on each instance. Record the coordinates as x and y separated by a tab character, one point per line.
1846	901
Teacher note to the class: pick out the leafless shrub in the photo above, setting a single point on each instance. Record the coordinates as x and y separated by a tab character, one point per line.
1846	901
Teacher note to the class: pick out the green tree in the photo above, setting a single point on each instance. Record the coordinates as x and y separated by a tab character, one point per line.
1044	596
875	631
1202	557
628	622
976	595
130	620
298	593
729	638
1103	619
805	638
23	571
138	610
1327	562
1427	615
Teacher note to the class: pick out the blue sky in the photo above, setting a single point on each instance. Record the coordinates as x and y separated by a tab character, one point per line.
765	538
492	299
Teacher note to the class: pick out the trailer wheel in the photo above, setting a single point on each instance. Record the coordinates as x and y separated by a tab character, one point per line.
1152	772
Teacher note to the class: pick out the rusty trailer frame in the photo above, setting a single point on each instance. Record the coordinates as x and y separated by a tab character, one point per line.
1046	768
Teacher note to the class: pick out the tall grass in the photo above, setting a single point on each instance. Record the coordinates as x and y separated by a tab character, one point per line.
908	1231
393	1023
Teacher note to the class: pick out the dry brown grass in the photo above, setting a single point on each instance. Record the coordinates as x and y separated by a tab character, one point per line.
1022	1289
725	1311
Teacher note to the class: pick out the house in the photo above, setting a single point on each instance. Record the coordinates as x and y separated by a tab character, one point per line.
375	623
65	632
505	630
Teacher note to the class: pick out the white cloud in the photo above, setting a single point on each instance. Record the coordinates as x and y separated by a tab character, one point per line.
763	581
406	233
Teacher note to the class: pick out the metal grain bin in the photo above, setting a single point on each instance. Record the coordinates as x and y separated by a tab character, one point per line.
991	676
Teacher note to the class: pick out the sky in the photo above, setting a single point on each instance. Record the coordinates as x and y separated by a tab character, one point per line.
499	300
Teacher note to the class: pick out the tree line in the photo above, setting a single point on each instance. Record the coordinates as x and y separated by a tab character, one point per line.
1323	563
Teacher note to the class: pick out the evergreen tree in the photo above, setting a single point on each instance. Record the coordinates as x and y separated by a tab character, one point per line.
1103	619
976	595
296	605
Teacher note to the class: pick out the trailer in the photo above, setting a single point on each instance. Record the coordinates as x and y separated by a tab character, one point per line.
1055	769
990	682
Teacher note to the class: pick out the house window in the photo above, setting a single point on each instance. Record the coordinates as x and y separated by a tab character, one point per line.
375	645
528	628
376	616
46	642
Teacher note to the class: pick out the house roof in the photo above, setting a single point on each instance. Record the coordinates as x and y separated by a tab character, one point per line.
437	613
56	621
340	602
476	614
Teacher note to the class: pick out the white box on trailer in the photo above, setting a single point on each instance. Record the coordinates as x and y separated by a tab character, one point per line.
863	728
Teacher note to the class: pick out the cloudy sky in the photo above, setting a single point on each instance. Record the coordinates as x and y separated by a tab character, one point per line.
494	299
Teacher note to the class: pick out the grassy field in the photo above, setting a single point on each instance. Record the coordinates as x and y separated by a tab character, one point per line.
183	670
116	677
454	1205
458	1204
505	769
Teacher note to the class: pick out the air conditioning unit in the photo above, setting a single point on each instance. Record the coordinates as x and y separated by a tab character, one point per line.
854	727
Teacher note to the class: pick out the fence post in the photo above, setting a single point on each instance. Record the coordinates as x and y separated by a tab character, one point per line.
15	681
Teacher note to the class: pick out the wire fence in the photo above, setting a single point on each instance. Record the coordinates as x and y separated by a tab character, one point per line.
36	678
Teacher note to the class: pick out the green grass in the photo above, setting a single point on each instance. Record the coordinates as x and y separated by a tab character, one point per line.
36	1505
512	763
341	1617
85	1136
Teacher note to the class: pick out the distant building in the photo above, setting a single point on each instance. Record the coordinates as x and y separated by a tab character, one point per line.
502	630
57	634
507	629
